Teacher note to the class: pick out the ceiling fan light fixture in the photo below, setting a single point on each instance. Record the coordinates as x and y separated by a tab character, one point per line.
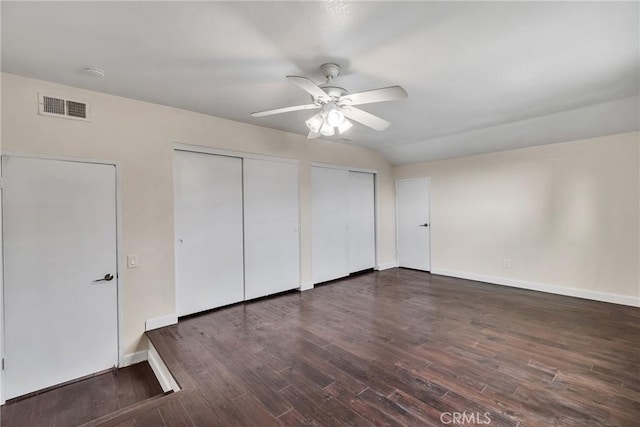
315	123
344	126
335	117
327	129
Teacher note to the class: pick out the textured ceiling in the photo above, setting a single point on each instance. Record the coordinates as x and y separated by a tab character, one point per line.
481	76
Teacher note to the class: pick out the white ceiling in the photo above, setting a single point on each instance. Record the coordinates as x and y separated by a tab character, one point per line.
481	76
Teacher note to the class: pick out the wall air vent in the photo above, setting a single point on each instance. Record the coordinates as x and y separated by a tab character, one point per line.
64	108
53	105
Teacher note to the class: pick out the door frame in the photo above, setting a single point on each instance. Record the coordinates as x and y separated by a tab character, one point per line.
428	180
376	214
119	251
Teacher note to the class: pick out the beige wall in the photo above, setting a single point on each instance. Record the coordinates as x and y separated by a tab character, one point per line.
140	135
566	215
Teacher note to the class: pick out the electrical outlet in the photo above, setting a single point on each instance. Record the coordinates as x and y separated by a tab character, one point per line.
506	263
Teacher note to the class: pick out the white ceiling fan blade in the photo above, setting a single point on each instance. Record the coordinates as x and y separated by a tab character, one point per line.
285	110
308	86
313	135
390	93
367	119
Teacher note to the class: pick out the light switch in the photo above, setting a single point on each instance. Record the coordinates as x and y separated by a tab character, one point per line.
132	261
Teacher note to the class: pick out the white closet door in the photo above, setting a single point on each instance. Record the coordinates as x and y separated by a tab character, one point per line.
330	218
271	243
362	235
208	224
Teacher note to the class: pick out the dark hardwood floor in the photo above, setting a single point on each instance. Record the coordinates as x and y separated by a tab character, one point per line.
82	401
401	347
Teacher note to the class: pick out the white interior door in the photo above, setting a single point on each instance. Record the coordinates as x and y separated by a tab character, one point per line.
208	227
413	224
59	224
271	218
330	219
362	233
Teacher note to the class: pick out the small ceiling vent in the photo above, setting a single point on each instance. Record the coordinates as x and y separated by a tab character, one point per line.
64	108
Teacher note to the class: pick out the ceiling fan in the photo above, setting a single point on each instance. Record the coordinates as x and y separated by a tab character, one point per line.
337	104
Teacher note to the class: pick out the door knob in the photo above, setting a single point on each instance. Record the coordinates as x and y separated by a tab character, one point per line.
107	278
424	225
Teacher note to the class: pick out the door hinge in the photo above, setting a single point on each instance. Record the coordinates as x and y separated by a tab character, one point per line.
3	363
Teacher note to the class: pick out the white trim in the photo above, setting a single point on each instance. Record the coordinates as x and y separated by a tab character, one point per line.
2	401
306	286
342	167
542	287
119	264
395	211
298	175
428	178
161	322
133	358
166	380
387	265
115	163
179	146
412	179
376	223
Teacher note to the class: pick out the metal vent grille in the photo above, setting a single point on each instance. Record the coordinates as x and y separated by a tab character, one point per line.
77	109
53	105
64	108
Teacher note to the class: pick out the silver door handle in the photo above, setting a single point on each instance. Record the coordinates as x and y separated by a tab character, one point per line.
107	278
424	225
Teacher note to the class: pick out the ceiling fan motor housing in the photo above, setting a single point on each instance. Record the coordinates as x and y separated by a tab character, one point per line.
330	71
333	94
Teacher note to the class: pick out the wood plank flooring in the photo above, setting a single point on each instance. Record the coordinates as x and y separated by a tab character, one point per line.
82	401
402	348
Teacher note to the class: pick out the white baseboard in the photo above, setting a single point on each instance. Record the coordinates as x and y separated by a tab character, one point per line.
542	287
161	322
133	358
306	286
166	380
386	266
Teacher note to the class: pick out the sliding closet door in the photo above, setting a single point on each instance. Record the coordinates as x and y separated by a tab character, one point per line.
362	234
208	225
271	243
330	217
